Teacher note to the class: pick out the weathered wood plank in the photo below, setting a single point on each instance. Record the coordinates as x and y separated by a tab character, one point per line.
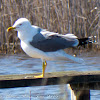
71	77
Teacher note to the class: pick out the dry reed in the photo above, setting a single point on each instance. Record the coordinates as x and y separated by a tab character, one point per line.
81	17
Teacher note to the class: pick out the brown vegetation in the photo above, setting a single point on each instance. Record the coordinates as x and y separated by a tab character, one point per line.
80	17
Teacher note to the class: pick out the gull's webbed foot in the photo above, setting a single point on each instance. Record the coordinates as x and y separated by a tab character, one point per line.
44	64
39	76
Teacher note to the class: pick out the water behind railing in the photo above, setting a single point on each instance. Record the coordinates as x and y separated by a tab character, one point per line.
22	64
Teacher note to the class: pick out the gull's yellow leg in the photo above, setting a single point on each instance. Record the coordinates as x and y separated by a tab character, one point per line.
44	67
44	64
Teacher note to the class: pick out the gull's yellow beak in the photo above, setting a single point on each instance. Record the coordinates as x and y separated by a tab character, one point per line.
10	28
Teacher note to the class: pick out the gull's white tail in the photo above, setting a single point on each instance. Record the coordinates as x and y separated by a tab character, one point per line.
63	54
75	59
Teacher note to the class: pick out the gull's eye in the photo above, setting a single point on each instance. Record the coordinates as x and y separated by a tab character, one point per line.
20	24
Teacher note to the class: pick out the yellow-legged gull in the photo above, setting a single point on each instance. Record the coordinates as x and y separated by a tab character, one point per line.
40	43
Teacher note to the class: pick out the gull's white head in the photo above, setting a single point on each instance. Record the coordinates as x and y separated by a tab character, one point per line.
20	25
24	28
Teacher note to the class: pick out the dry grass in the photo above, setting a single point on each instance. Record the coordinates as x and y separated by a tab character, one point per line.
80	17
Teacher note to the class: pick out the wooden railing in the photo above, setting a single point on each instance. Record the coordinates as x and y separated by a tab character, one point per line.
80	83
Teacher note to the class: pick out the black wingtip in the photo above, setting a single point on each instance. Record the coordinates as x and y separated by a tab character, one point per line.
87	40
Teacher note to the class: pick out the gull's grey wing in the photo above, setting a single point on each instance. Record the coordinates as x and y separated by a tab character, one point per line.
52	42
